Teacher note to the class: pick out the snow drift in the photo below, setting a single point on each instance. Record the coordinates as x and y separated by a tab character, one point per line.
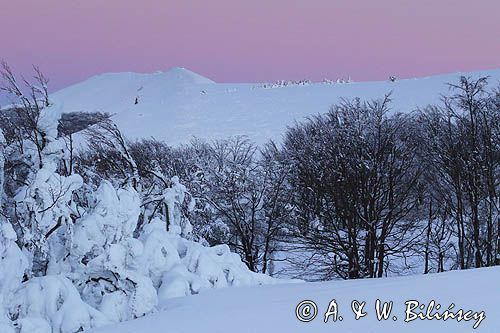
272	308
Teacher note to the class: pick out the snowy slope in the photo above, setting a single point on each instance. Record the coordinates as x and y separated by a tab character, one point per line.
179	104
271	309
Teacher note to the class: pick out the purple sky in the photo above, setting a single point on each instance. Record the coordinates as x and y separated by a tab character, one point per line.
246	41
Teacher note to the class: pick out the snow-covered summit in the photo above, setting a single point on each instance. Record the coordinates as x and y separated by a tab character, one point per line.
173	76
178	104
184	75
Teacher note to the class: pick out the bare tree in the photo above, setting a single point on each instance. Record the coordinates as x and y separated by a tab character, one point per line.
354	184
105	136
28	105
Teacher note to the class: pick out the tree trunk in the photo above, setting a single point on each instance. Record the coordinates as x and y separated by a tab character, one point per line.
381	257
353	253
427	239
489	234
475	235
461	231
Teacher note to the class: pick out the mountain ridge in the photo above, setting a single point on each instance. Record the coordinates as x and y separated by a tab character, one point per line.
179	104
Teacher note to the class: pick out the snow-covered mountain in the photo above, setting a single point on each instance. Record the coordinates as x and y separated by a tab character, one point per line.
178	104
272	308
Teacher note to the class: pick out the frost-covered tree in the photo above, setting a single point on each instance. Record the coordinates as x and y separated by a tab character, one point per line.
354	181
42	197
13	263
244	193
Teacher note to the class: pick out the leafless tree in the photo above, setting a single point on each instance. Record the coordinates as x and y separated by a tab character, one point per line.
28	104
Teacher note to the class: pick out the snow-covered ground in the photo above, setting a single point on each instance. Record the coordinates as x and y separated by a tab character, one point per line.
178	104
272	308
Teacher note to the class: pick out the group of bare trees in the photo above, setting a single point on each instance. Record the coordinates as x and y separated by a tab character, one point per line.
247	193
378	192
356	183
461	153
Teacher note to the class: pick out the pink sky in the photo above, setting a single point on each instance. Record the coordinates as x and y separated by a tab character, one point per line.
251	41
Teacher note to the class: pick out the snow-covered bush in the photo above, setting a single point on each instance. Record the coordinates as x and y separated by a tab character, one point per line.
182	267
13	264
52	304
46	200
104	256
126	277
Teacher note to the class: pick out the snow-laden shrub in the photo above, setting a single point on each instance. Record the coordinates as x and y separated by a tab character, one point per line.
109	275
180	267
44	203
126	277
52	304
13	264
104	256
113	216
